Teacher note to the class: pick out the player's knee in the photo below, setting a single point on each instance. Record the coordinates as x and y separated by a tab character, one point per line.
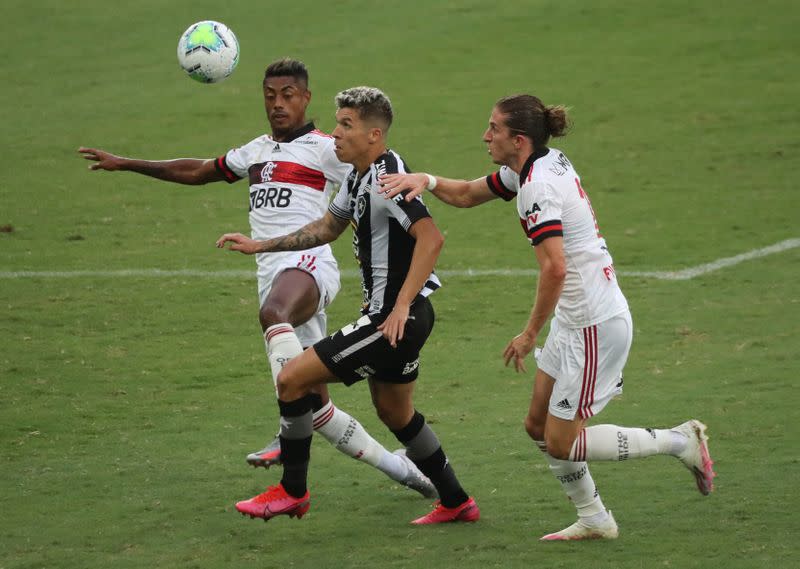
534	427
558	447
384	412
288	385
389	416
271	314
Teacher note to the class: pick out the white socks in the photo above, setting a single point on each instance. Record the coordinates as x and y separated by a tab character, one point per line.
579	486
349	437
606	442
346	434
340	429
282	345
610	442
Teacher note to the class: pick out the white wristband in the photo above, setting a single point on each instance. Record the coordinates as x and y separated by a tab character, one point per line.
431	183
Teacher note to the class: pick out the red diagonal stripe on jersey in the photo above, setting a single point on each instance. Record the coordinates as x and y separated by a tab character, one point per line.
294	173
530	174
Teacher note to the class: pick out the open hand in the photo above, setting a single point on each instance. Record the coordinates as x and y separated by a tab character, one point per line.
395	324
103	160
393	184
518	349
239	242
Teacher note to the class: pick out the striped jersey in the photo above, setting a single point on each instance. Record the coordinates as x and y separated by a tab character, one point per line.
291	183
381	241
552	202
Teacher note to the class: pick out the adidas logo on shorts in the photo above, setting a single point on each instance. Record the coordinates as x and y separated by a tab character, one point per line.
564	404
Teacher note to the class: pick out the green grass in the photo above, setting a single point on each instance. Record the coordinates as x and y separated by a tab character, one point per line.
128	404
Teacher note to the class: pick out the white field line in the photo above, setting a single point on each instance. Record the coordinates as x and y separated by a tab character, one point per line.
681	275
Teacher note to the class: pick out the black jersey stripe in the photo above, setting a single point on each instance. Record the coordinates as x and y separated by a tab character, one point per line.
222	167
362	240
339	212
542	231
496	185
382	244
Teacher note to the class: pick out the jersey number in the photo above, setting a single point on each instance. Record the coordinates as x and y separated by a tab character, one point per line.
270	197
583	195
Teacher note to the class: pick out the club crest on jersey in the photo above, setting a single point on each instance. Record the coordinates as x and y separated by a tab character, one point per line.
267	170
361	206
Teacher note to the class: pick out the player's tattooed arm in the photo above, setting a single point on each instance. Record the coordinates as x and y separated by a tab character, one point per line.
316	233
319	232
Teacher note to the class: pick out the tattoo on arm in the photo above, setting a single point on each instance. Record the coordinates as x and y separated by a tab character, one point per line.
316	233
303	238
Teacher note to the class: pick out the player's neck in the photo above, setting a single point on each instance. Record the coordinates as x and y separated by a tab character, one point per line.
288	134
517	162
363	162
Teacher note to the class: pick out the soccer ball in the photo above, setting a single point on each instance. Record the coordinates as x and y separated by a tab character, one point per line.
208	51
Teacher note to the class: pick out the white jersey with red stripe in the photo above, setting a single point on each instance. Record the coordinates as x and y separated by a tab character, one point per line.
291	183
551	202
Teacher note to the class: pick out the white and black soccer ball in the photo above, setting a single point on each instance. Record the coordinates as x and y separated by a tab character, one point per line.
208	51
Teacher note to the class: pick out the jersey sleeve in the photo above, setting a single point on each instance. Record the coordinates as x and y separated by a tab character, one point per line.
234	164
504	183
334	170
539	207
406	213
341	204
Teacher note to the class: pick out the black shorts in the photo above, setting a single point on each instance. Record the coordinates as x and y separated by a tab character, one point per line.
360	351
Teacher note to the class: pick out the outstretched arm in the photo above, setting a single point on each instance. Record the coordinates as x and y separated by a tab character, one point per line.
429	242
459	193
324	230
191	171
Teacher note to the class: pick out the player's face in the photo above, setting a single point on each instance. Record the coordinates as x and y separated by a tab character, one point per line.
499	139
352	136
285	100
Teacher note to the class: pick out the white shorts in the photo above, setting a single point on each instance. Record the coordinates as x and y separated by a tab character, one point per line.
586	364
320	264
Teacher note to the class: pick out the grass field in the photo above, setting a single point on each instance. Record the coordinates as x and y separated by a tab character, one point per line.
128	402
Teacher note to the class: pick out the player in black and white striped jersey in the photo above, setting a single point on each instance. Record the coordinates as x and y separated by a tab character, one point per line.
292	173
380	232
397	244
